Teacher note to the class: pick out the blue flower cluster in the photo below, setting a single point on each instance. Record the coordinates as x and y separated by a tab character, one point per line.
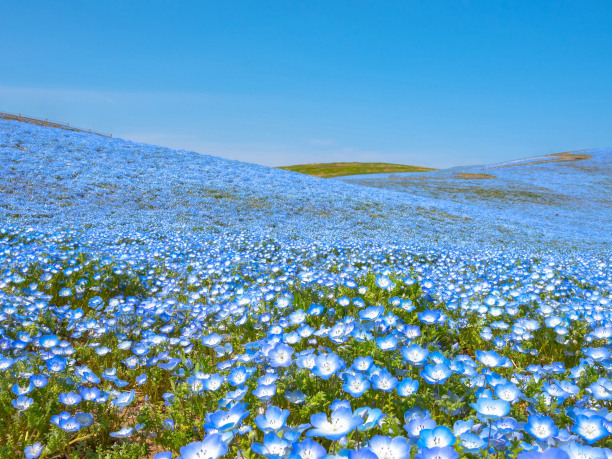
240	325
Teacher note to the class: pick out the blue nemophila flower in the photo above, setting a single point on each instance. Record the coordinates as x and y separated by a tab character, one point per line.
555	391
280	355
70	399
362	453
508	392
101	351
295	396
213	382
410	331
471	442
326	365
541	427
88	375
22	390
591	428
340	403
371	417
341	422
432	316
238	376
490	408
84	419
265	391
48	341
306	361
371	312
550	453
293	433
383	380
445	452
416	424
284	301
406	387
38	381
225	421
123	433
362	363
490	358
169	424
384	282
505	425
212	340
69	424
387	343
308	449
297	317
598	354
436	374
272	447
601	389
163	455
415	355
169	365
212	447
124	399
569	387
56	364
439	436
460	427
22	403
89	394
140	349
33	451
576	450
390	448
269	378
437	357
273	419
6	363
355	384
236	395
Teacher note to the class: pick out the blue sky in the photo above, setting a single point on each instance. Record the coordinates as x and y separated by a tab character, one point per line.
434	83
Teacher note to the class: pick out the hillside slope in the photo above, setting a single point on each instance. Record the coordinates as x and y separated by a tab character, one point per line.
568	192
59	179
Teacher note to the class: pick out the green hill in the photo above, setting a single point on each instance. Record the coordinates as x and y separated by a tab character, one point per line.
327	170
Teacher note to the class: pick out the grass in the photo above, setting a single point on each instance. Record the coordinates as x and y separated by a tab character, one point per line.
563	157
328	170
470	176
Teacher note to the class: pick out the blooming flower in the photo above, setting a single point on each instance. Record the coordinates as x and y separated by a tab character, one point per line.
390	448
273	420
280	355
541	427
436	374
33	451
490	408
327	365
212	447
342	421
590	428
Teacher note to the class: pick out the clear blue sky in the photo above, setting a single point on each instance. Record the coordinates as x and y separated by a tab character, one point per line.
435	83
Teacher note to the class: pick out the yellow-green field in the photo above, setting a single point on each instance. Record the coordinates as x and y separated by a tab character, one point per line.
327	170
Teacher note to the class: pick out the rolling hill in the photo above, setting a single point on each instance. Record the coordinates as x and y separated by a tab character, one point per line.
54	178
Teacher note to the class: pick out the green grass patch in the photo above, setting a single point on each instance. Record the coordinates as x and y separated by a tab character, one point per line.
327	170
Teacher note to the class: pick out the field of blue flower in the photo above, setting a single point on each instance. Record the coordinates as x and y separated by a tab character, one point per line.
159	303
